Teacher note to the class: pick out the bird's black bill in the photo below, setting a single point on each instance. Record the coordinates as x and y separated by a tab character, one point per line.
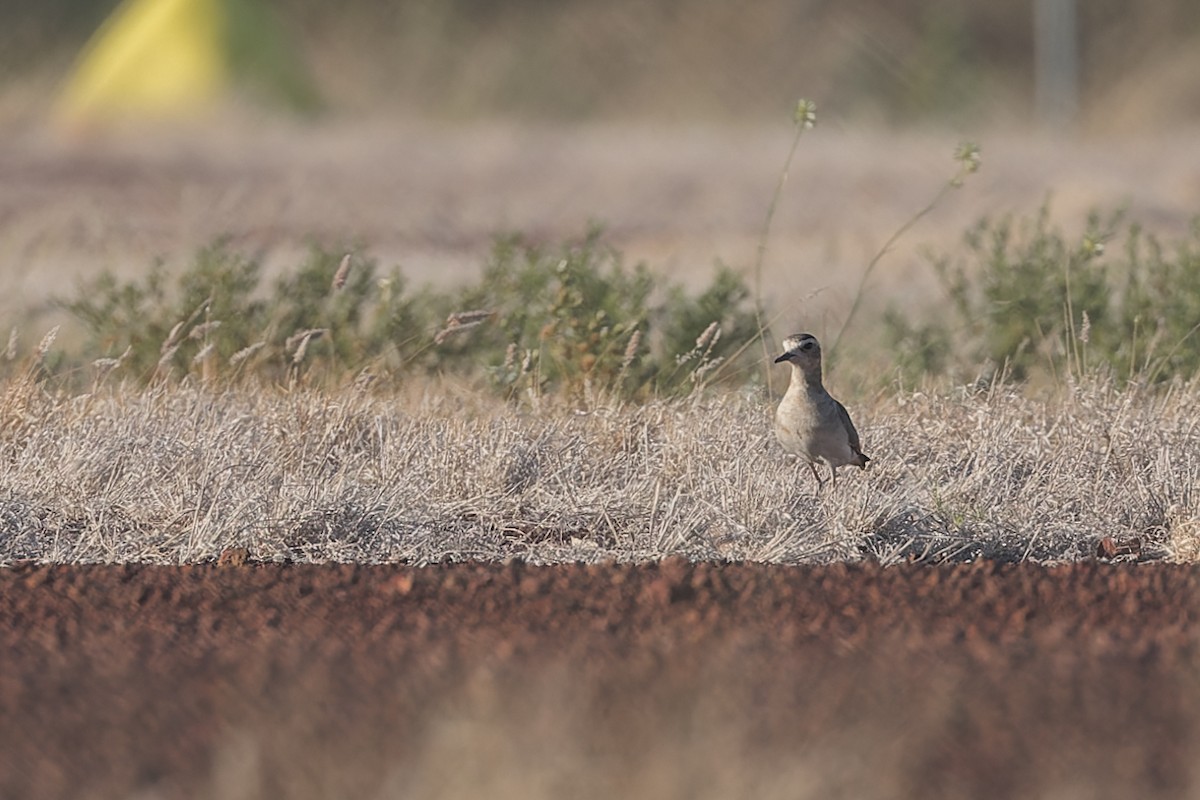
781	358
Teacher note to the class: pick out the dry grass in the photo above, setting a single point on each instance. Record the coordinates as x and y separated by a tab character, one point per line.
177	474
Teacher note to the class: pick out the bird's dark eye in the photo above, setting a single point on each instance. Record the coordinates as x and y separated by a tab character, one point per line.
806	346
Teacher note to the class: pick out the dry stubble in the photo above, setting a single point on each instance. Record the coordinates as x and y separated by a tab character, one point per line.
178	474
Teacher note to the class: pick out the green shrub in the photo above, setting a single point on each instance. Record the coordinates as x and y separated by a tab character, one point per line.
570	311
1161	310
368	321
1026	299
571	318
214	317
158	325
575	316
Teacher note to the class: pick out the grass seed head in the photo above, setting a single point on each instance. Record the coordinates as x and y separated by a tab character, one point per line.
300	340
343	271
711	333
246	352
204	353
202	330
46	343
461	321
172	337
631	349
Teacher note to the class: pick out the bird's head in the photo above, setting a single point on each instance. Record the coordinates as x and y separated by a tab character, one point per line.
801	349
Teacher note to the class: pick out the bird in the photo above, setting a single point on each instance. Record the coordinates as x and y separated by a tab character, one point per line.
808	421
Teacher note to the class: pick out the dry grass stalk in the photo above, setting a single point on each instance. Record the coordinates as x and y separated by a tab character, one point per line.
631	350
461	321
343	272
164	361
202	330
246	352
10	352
44	346
107	364
172	339
301	350
705	342
204	354
299	341
299	336
627	358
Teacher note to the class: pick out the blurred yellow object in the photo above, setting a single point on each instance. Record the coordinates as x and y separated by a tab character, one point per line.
150	58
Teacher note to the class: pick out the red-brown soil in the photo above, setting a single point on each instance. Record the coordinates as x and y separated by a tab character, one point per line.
666	680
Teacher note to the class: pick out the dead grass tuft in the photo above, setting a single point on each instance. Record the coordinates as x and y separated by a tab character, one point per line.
177	473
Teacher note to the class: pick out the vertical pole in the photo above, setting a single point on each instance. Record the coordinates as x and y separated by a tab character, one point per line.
1055	63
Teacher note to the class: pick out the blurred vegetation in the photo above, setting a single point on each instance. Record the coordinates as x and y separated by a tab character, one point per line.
1024	301
896	61
571	318
1025	298
261	48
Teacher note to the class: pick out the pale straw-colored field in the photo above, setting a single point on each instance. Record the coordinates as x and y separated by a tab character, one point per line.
177	473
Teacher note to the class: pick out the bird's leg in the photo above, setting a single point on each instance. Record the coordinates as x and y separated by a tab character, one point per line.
833	473
820	483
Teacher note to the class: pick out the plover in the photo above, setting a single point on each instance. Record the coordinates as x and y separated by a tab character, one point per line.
810	423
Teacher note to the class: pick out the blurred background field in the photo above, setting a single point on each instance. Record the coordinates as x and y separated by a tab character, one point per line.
914	61
414	132
187	379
